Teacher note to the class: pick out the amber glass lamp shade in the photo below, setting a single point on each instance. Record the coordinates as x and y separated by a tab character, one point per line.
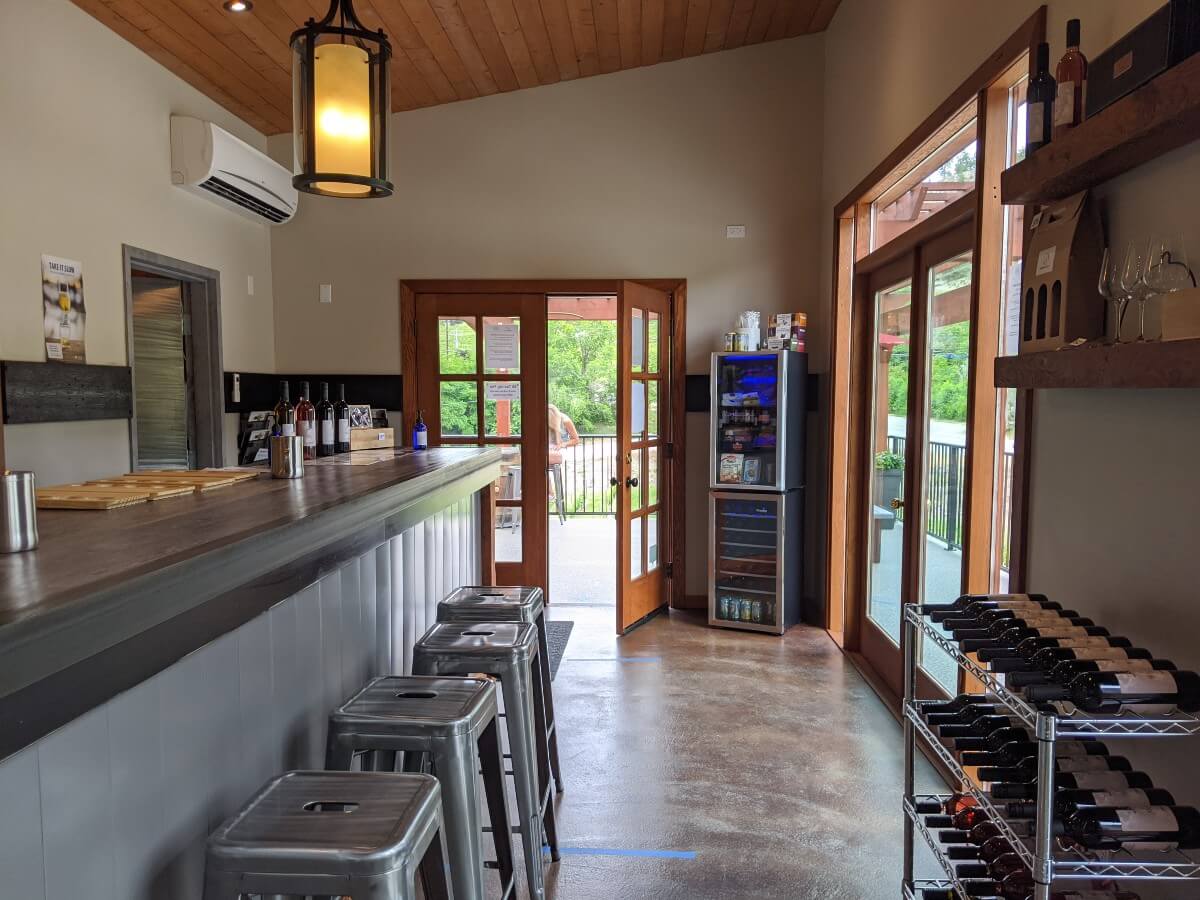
341	101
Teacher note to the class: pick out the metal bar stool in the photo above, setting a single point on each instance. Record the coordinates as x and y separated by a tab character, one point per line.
509	652
331	834
453	721
511	604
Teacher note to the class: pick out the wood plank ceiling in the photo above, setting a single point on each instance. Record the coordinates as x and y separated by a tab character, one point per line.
444	50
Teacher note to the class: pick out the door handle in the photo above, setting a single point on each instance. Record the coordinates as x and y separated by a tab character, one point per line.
631	482
897	503
613	481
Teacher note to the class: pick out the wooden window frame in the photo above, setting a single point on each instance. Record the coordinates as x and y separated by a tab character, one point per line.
852	256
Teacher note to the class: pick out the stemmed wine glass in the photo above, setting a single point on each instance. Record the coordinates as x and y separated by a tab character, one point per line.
1110	289
1133	283
1167	269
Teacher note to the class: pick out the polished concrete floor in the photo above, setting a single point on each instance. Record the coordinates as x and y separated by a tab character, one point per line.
703	763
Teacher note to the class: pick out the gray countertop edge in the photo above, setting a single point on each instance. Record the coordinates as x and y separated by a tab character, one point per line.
34	648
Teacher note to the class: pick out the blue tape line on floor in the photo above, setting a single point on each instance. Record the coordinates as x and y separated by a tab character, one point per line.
608	851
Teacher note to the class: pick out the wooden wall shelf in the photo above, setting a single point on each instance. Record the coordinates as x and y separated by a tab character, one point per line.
1167	364
1158	117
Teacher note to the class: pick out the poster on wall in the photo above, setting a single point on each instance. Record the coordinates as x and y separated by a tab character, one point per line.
63	313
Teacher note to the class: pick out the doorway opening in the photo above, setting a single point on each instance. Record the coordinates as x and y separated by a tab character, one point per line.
173	341
581	390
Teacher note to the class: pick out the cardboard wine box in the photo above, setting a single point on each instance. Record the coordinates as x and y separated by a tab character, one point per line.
1059	300
1178	315
372	438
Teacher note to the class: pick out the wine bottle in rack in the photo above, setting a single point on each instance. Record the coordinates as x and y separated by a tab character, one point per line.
998	869
1029	647
1069	802
1090	781
1066	669
987	617
1016	635
1014	752
979	602
985	830
1108	692
1154	828
1027	769
961	629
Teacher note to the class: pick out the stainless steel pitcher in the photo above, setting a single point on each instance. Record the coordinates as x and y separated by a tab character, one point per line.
18	512
287	456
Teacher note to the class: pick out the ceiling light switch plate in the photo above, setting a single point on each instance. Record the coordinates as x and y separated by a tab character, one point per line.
735	231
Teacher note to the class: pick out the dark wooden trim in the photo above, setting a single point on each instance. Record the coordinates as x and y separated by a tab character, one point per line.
63	392
531	285
260	390
961	210
1027	35
1023	432
1160	116
408	356
1153	364
676	464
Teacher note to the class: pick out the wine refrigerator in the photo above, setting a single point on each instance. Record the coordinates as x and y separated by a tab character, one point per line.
756	496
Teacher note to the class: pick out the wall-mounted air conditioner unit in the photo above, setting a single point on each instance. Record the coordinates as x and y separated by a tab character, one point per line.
209	161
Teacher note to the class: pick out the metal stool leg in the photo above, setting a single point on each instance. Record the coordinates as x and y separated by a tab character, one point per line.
548	694
492	763
433	869
543	760
522	739
559	502
456	765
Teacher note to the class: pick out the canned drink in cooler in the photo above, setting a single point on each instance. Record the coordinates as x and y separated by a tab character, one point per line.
722	607
756	611
745	610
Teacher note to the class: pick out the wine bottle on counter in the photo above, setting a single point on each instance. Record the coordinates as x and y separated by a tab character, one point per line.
420	433
341	414
1109	692
306	422
285	413
1071	75
1039	103
326	437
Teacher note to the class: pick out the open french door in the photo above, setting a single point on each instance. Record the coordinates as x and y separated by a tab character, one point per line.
481	379
643	397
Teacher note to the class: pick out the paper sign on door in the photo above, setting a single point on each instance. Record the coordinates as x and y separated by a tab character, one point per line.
500	346
502	390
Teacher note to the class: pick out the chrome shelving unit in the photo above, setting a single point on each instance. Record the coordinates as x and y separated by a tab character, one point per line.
1045	860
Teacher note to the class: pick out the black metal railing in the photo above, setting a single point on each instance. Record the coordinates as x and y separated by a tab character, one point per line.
945	467
587	468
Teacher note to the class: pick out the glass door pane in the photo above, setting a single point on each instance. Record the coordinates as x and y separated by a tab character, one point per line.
949	329
889	410
747	420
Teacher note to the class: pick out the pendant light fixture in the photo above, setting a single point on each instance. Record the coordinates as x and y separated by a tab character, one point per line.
340	105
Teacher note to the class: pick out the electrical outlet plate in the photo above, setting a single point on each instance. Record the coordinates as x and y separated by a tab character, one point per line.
735	231
327	293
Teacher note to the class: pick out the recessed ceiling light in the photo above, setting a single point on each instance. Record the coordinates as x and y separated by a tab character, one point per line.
238	5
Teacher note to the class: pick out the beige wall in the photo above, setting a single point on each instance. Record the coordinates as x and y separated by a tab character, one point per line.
631	174
1114	472
86	154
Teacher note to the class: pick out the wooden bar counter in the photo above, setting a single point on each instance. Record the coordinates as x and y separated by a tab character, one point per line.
187	649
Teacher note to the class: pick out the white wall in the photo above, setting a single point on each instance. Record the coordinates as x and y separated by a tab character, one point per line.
86	155
631	174
1114	474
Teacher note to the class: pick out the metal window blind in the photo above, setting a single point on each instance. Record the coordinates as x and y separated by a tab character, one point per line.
160	377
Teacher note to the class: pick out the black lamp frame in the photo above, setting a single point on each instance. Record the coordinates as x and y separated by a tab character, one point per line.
352	28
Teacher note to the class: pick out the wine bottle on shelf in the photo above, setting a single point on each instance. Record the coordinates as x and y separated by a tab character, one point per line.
306	422
1020	888
1039	103
962	701
996	624
341	415
981	727
1027	769
1001	627
1029	647
997	869
1071	75
1021	827
1154	828
285	413
949	806
1109	692
1013	637
1013	752
978	602
326	426
1066	669
1069	802
1090	781
420	435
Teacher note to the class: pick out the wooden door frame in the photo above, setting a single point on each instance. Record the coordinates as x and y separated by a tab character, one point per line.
675	474
842	537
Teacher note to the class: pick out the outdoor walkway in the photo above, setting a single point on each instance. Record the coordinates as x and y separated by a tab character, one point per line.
583	558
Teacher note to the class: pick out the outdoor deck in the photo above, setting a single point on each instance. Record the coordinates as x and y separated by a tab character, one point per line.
583	558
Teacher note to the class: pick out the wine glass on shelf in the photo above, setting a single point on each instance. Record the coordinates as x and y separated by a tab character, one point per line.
1133	283
1109	286
1167	269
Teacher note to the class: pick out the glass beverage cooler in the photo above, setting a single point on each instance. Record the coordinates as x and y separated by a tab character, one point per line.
756	501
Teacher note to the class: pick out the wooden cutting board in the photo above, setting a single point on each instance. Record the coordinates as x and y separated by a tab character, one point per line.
156	490
66	497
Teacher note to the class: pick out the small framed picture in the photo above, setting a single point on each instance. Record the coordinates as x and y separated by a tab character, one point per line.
750	469
360	417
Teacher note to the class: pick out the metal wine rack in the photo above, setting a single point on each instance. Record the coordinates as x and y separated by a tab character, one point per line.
1046	861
